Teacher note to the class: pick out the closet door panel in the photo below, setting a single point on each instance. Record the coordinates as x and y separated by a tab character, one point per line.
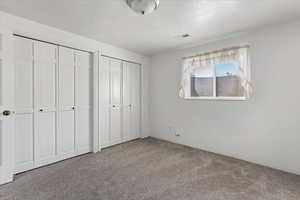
23	48
24	142
46	52
67	132
24	85
45	86
127	134
45	103
66	136
84	87
135	100
131	101
46	137
83	131
23	58
45	70
84	79
66	77
104	105
83	101
115	126
115	76
23	74
116	93
67	88
126	102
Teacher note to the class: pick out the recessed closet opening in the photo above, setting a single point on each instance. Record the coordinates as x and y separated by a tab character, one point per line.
54	103
55	93
120	101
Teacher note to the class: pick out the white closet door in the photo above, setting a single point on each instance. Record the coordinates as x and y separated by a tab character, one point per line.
66	102
67	134
119	101
83	101
104	105
24	157
127	102
7	106
45	138
131	101
45	98
135	100
116	101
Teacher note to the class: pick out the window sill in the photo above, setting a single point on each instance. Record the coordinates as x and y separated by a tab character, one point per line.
218	98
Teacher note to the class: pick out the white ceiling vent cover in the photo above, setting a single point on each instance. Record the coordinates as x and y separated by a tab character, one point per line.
143	6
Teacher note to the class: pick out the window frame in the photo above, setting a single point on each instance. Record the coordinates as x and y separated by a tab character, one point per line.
244	98
215	97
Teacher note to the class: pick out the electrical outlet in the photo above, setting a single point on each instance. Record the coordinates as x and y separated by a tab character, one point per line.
174	131
177	134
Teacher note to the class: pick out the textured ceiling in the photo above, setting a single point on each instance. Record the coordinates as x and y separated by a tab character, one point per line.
111	21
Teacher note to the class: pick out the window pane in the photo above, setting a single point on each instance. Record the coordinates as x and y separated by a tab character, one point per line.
228	80
202	81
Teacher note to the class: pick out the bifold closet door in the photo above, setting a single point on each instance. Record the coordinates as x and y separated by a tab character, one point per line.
45	74
115	101
83	101
66	102
24	157
53	96
135	100
131	101
127	104
104	104
119	101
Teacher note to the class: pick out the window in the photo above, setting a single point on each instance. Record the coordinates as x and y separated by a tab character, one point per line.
223	74
202	81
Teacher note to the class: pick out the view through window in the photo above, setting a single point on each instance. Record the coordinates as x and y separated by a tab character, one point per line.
221	80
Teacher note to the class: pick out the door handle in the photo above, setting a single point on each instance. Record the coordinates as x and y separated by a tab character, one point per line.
41	110
73	108
6	112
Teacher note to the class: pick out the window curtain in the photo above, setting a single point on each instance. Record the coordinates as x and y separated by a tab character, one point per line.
244	71
238	55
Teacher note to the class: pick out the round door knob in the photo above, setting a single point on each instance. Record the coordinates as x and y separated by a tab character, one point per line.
41	110
6	113
73	108
114	106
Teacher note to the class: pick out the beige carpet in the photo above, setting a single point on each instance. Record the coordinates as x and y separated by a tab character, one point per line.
150	169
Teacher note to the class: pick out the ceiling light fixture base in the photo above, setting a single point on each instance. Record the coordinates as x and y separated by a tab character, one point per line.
143	7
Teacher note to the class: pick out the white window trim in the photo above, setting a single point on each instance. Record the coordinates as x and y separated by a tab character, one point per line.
218	98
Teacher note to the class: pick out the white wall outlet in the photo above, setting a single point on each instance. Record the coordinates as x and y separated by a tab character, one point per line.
177	134
174	131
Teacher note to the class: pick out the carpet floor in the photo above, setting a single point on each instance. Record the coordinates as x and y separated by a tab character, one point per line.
150	169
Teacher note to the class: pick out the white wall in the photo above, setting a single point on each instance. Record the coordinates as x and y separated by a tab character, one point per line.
265	129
